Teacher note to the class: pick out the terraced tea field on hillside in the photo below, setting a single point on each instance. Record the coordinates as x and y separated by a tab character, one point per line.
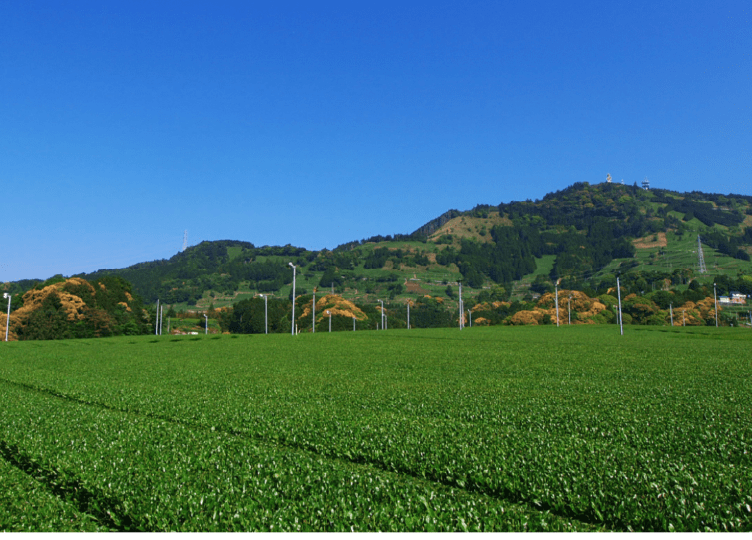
490	429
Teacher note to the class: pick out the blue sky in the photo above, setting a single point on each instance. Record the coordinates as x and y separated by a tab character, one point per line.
123	123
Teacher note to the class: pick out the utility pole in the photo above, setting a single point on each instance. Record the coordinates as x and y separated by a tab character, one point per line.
294	268
353	324
462	310
156	324
313	324
556	289
382	314
569	309
206	324
330	320
621	322
161	318
7	320
266	318
671	311
408	314
715	297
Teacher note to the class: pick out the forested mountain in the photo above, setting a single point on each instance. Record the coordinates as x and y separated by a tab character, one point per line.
219	266
580	238
586	227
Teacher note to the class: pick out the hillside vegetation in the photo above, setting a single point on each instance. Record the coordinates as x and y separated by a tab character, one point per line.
77	308
581	238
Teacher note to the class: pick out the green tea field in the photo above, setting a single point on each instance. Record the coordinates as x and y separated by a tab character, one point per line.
485	429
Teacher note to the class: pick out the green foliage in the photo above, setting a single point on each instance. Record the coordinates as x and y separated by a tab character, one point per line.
693	207
57	278
28	503
220	266
376	259
104	312
421	259
50	321
429	313
484	429
541	285
495	294
16	302
331	277
248	317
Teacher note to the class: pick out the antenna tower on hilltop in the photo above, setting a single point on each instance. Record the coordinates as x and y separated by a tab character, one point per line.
700	256
646	184
185	240
608	178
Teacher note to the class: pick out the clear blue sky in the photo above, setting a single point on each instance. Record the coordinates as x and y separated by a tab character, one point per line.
123	123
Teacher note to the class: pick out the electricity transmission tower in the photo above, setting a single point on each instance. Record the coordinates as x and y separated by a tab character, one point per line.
700	256
185	240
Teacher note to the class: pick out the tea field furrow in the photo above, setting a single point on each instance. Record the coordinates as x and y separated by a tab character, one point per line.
151	475
28	505
455	480
594	475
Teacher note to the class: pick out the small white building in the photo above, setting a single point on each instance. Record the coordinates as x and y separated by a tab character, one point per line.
738	298
735	298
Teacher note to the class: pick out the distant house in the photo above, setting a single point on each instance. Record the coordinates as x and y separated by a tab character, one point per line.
735	298
738	298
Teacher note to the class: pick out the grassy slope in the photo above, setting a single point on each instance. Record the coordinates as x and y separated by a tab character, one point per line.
470	227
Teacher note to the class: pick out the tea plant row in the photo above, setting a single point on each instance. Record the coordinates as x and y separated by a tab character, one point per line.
647	434
28	505
138	473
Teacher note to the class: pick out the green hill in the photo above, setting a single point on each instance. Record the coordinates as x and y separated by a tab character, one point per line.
581	237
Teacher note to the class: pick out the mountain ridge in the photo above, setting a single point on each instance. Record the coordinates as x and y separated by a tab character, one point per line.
586	232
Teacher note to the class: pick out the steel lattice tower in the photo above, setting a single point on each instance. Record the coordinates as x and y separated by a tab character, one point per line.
700	256
185	240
